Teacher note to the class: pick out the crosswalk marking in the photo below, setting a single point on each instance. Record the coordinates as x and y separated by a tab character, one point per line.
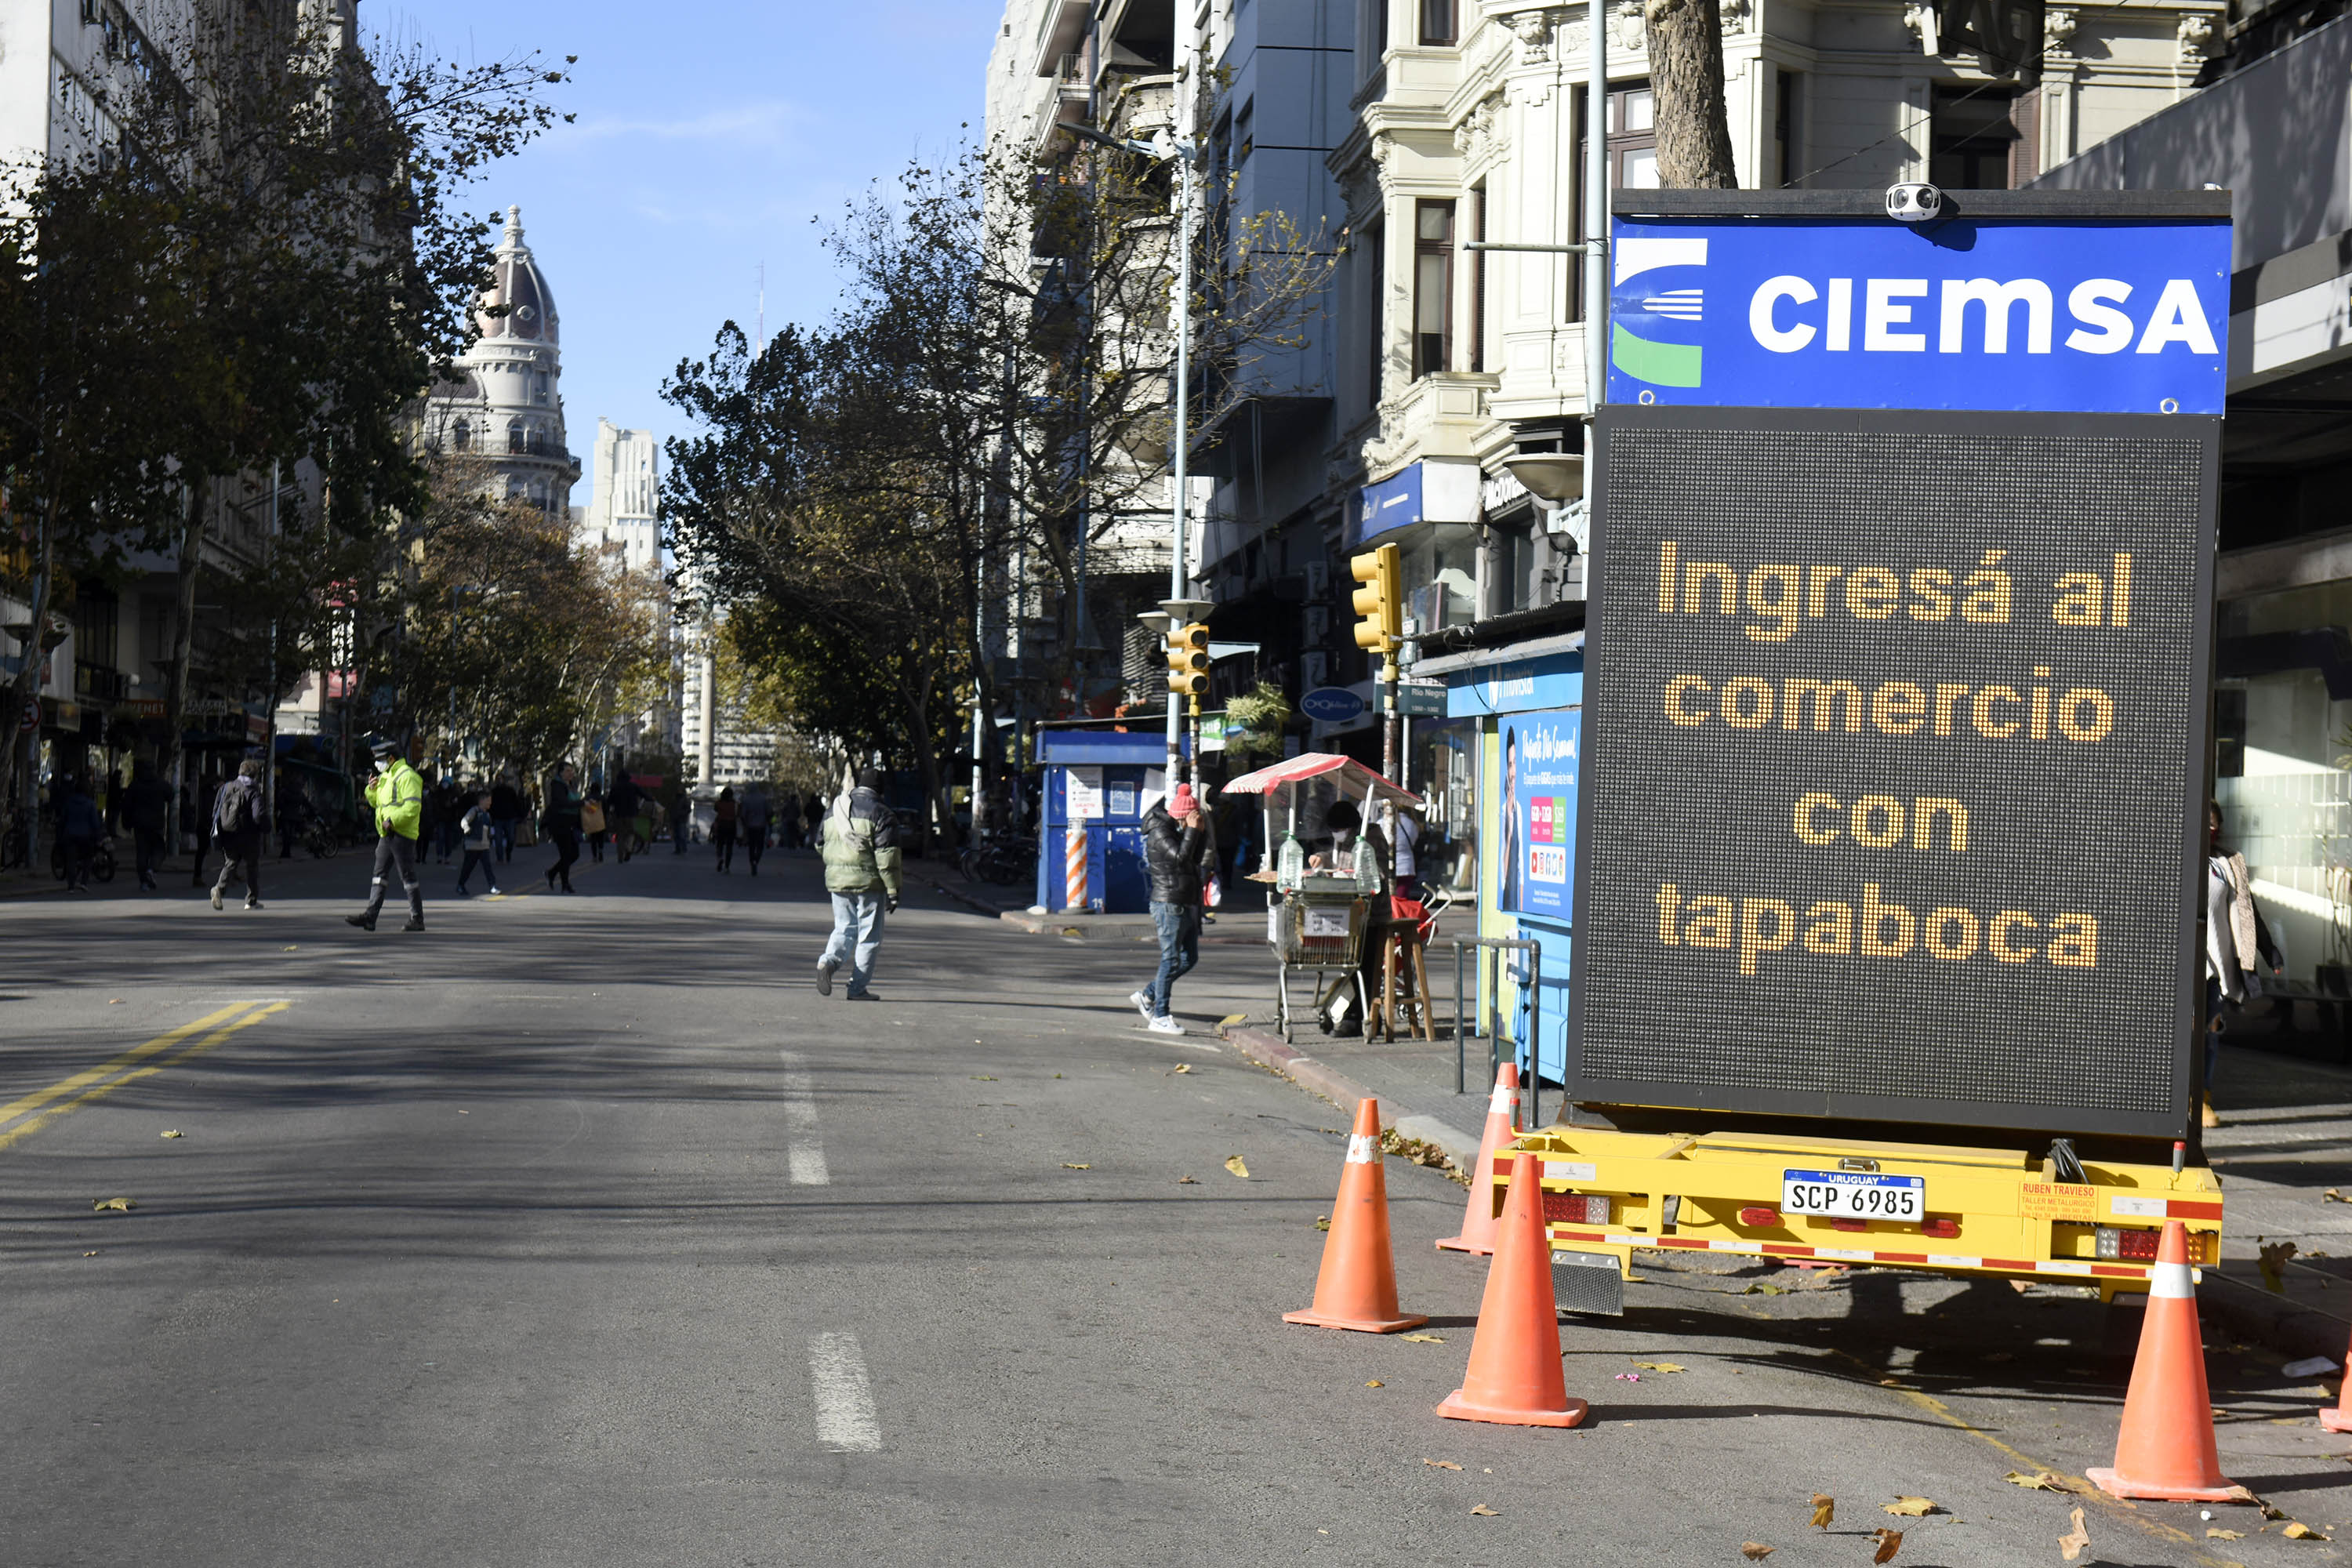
845	1422
804	1152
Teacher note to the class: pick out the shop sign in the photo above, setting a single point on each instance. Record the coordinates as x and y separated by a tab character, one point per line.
1421	698
1538	858
1331	705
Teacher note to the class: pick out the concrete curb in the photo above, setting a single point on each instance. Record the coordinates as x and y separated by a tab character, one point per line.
1269	1050
2254	1314
976	905
1091	928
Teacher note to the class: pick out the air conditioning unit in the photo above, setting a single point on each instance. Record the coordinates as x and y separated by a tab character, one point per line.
1313	668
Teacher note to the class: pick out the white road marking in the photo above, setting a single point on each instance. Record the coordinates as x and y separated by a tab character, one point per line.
802	1149
846	1423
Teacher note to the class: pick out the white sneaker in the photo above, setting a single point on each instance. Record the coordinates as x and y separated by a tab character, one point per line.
1141	1002
1164	1024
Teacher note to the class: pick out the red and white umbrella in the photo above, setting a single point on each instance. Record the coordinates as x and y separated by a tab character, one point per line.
1353	779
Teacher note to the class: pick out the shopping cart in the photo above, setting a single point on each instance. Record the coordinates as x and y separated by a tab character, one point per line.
1319	929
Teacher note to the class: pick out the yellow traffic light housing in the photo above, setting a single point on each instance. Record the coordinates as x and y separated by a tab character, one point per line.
1188	659
1378	604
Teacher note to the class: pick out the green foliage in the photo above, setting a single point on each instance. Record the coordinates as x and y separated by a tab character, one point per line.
1263	714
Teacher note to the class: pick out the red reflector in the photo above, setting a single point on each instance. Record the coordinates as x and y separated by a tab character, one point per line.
2139	1245
1849	1225
1760	1216
1945	1227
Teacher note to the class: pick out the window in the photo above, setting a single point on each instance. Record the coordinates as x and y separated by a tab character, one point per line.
1436	22
1479	279
1245	132
461	437
514	435
1373	268
1973	139
1433	287
1379	28
539	392
1633	148
1785	152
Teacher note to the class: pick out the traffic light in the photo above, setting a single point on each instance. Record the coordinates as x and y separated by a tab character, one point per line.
1188	659
1380	610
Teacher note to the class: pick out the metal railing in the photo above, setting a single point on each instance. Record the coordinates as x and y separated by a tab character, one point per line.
1531	1075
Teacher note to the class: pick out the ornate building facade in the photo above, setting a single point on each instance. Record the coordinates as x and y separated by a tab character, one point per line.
502	401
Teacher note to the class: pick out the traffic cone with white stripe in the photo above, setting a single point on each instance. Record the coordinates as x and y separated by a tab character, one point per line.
1514	1377
1502	1126
2341	1418
1357	1287
2166	1448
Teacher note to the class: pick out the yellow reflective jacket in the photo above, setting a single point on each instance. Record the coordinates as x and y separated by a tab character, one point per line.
398	796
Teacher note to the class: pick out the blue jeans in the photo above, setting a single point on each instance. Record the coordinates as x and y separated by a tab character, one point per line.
856	934
1180	948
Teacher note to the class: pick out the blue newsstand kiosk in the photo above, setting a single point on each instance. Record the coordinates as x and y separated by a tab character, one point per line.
1101	782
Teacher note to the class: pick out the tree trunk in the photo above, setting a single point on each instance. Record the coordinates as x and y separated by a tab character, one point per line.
183	642
1686	75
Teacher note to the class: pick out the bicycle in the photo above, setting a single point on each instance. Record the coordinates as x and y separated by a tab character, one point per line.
101	860
1001	861
16	842
318	840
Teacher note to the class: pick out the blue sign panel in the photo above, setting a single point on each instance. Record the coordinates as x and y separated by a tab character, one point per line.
1395	502
1331	704
2091	317
1538	820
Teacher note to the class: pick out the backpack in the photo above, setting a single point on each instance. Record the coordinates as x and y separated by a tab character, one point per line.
228	808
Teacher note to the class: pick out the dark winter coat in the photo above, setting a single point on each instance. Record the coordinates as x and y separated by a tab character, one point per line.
1177	857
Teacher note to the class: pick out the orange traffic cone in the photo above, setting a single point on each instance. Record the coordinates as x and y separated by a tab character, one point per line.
2166	1449
1502	1121
2341	1418
1357	1288
1515	1375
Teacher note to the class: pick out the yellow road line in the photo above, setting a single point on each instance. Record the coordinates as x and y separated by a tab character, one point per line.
137	1053
26	1130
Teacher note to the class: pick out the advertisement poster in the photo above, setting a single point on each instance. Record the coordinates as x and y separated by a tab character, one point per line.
1539	817
1084	795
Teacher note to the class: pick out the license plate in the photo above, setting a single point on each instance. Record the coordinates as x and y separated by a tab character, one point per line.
1854	1194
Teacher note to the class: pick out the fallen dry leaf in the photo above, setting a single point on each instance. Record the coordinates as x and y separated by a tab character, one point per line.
1890	1382
1067	1166
1322	1222
2272	1259
1482	1511
1376	1382
1755	1551
2041	1480
1238	1166
1424	1339
1441	1464
1659	1366
100	1206
1184	1066
89	1255
2218	1533
2020	1286
983	1078
1824	1510
289	948
1910	1507
1761	1288
2293	1532
2330	1196
175	1132
2070	1544
2269	1511
1890	1541
1187	1180
114	1001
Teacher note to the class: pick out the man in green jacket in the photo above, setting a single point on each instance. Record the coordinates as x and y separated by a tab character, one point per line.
397	794
861	872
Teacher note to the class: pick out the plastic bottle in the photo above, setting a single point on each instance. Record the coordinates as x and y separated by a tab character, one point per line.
1290	865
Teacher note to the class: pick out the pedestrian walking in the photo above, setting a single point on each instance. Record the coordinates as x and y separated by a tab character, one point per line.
593	825
448	805
751	816
723	817
623	802
79	827
240	827
561	820
506	810
395	794
140	809
1178	850
788	821
293	809
861	873
2238	947
474	830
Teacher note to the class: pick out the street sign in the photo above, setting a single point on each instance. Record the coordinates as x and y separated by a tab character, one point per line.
2106	318
1331	704
1894	749
1418	700
32	719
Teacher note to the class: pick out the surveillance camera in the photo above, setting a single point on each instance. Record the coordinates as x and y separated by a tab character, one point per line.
1913	203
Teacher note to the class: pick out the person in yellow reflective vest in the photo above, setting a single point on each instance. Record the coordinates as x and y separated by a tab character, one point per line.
396	796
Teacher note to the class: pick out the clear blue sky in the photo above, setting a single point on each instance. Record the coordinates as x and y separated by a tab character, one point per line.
707	137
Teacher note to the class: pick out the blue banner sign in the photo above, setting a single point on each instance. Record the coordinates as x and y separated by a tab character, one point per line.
1537	864
1331	704
2090	317
1395	503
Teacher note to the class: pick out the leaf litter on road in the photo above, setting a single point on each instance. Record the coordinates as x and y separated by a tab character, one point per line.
120	1205
174	1133
2295	1530
1824	1510
1067	1165
2038	1481
1187	1180
1441	1463
1482	1511
1911	1507
1663	1367
1756	1551
2070	1544
1424	1339
1890	1541
1183	1067
1238	1166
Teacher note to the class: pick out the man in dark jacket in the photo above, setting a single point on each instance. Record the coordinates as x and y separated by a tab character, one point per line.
240	828
140	809
79	827
1178	850
506	810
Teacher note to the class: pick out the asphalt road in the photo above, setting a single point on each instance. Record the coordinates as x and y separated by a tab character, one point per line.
582	1231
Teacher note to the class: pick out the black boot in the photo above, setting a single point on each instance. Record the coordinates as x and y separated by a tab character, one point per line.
416	922
365	921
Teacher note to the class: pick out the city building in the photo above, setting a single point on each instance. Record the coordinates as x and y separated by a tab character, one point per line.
620	522
501	404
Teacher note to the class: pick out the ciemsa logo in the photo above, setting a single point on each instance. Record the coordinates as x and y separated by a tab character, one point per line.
1653	329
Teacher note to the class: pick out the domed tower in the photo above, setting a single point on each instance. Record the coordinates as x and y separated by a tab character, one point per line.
501	404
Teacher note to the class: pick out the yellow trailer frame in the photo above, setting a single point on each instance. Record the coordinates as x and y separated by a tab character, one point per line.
1988	1211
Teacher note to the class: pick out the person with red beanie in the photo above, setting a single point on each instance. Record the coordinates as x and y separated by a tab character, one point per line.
1178	850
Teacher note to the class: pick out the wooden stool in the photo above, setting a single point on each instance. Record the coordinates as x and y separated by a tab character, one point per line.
1399	949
